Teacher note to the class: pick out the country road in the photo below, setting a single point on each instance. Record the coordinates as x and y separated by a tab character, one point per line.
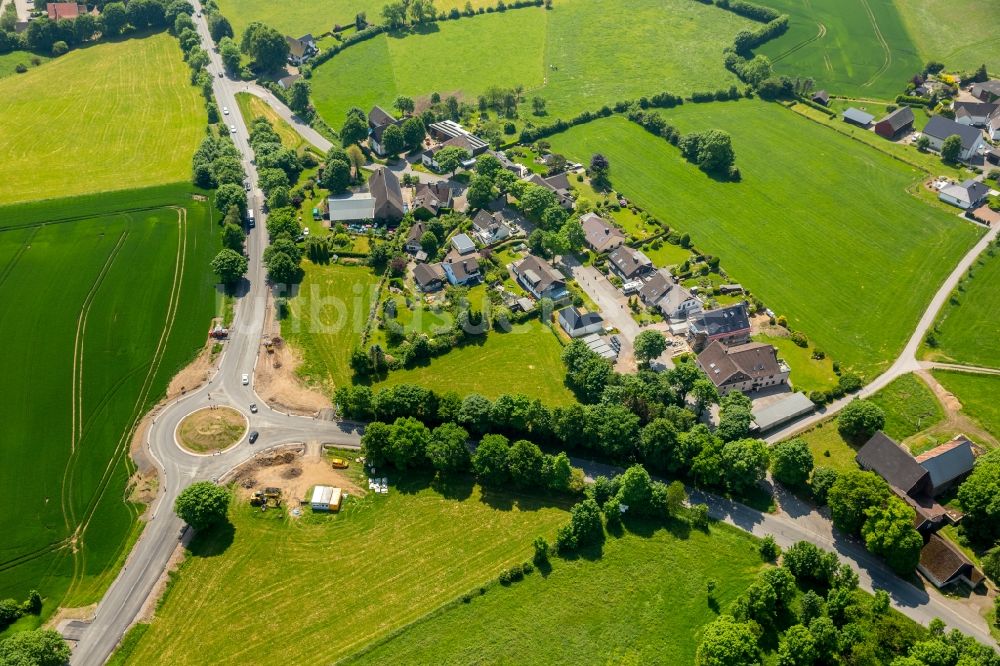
128	593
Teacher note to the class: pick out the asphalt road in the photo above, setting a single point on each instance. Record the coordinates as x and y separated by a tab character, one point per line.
128	593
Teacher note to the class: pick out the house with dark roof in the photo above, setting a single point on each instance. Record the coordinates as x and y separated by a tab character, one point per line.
599	234
490	227
894	464
964	195
302	49
429	199
285	82
388	195
674	302
655	288
895	124
948	463
578	323
463	271
993	126
986	91
729	325
976	114
558	185
821	97
858	117
429	277
539	278
747	367
629	264
413	236
379	120
940	128
943	564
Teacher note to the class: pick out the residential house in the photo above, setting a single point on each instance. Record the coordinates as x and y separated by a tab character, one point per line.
355	207
577	323
821	97
672	300
285	82
599	235
413	236
993	127
65	10
465	142
948	463
976	114
463	271
858	117
378	121
630	264
943	564
463	244
384	186
986	91
518	170
895	124
558	185
448	129
302	49
489	227
539	278
430	198
747	367
729	325
655	288
429	277
964	195
940	128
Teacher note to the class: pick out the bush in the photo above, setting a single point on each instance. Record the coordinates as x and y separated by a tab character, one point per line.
769	549
799	338
860	420
850	382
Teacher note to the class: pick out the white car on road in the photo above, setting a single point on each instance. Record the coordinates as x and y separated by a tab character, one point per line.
225	110
232	129
246	379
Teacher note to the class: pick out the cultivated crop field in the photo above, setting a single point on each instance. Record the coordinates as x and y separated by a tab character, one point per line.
572	56
858	48
978	395
581	612
966	332
821	228
525	360
95	348
314	591
106	117
962	34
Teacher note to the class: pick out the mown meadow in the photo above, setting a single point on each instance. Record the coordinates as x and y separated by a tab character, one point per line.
96	347
962	34
978	395
111	116
822	228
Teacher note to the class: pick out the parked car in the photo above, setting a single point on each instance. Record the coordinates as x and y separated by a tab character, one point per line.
225	110
253	436
253	407
338	463
246	186
246	379
232	129
615	342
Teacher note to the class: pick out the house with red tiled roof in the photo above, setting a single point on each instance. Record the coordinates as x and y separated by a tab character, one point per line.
65	10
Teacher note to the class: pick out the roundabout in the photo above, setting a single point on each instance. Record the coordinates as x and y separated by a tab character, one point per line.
211	429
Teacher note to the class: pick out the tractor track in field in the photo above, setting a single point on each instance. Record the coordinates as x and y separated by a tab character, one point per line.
78	218
804	43
882	42
9	267
137	410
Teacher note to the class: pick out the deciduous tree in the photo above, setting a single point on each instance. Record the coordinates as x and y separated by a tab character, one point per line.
202	505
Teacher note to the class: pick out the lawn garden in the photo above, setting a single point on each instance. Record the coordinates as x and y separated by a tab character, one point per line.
581	612
570	56
332	584
978	395
107	117
93	354
966	327
850	47
808	373
829	236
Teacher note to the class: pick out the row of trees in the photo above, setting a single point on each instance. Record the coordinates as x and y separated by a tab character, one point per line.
711	150
217	163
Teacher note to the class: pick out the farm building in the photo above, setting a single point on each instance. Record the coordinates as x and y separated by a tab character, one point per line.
943	564
351	207
940	128
577	323
965	195
821	97
789	407
987	91
895	124
948	464
388	195
858	117
325	498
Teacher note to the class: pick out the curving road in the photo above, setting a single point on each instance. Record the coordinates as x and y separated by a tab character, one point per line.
127	595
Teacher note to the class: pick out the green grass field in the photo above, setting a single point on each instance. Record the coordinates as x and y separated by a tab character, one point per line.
962	34
821	227
808	374
571	56
978	395
910	407
327	318
525	360
252	107
316	16
332	584
94	352
643	601
107	117
8	61
850	47
967	332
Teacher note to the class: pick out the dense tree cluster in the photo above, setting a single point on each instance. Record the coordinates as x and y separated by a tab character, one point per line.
38	647
265	45
217	163
712	151
859	420
979	496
